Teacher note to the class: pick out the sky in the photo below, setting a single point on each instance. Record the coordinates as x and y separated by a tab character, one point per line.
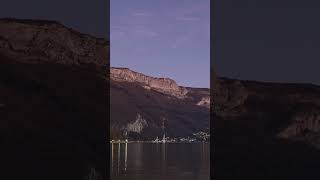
265	40
268	40
162	38
86	16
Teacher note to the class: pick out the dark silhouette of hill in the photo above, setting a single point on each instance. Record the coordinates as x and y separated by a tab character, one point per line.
265	130
52	105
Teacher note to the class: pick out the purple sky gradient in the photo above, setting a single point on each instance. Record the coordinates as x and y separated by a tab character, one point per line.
162	38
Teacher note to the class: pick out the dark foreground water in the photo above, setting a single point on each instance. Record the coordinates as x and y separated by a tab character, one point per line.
150	161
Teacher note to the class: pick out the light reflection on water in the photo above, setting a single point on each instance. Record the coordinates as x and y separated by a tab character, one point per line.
145	161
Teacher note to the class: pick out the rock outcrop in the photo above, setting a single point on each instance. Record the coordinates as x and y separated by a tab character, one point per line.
297	105
304	126
137	126
31	41
205	102
163	85
229	95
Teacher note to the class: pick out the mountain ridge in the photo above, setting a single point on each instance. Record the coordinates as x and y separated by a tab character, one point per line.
272	127
33	41
161	84
140	102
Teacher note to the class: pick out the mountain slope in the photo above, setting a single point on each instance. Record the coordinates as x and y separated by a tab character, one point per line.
52	101
154	99
266	130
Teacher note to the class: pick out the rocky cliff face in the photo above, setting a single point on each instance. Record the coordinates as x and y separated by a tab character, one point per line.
229	95
163	85
299	103
32	41
139	103
52	101
304	126
205	102
269	128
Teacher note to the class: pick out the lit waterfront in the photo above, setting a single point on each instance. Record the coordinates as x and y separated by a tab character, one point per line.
169	161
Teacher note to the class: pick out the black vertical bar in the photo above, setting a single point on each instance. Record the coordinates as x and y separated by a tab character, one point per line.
212	84
108	96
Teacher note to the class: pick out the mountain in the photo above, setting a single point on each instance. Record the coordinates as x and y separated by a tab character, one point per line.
140	104
53	91
266	130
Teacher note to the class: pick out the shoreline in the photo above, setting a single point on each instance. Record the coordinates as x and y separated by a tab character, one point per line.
151	142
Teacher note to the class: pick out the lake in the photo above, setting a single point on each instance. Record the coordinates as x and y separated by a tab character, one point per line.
157	161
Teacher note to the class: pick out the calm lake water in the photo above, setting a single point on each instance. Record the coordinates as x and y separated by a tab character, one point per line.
152	161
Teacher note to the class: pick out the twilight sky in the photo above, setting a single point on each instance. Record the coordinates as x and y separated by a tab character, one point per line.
268	40
162	38
86	16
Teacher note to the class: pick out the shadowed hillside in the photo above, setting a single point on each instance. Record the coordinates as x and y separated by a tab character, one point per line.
266	130
52	102
186	110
